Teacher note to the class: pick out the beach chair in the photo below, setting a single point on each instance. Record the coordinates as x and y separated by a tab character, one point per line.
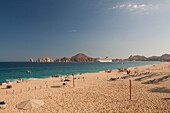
163	78
124	77
156	80
113	79
142	78
2	105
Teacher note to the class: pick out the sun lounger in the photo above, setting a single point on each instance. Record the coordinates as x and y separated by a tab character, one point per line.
124	77
157	80
143	74
2	105
113	79
138	79
163	78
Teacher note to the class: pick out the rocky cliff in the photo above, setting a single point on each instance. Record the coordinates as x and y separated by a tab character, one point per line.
45	59
64	59
31	60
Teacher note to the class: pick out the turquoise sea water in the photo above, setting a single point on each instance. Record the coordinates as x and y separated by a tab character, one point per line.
14	70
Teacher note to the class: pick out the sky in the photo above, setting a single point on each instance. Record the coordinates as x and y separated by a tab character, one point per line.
98	28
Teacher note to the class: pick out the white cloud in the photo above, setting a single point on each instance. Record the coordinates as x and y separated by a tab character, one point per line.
72	31
136	7
123	5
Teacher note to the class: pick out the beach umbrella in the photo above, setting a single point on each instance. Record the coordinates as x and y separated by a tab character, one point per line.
29	104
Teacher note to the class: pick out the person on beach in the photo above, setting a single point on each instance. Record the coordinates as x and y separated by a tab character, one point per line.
128	72
66	79
62	80
7	81
8	84
73	76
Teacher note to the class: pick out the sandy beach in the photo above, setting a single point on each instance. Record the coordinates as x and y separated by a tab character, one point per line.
94	93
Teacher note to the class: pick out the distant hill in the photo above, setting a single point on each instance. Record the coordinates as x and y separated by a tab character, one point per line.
137	58
82	58
164	57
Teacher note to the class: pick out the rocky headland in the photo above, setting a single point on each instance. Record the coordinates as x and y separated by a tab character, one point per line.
80	57
164	57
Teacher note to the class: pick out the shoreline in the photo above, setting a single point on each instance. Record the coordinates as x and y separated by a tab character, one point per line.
33	79
93	94
29	79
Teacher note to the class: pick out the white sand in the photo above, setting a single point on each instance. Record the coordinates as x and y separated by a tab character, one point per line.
95	94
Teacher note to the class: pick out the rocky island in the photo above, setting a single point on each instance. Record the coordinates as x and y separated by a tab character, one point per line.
45	59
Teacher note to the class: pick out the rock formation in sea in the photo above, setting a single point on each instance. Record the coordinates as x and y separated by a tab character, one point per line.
45	59
31	60
64	59
57	60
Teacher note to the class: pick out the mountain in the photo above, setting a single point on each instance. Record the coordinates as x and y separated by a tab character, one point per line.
164	57
80	57
137	58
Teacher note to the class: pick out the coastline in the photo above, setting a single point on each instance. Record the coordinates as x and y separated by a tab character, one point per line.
77	73
93	94
132	68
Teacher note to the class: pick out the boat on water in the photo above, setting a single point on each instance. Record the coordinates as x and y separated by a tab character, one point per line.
28	71
103	59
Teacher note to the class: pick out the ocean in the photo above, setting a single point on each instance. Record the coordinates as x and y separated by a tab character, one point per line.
14	70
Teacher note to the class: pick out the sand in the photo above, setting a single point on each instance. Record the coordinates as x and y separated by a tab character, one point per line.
93	94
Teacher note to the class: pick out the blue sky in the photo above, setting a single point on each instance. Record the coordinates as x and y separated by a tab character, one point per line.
98	28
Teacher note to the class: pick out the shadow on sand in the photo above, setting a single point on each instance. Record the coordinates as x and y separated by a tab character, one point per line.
56	86
160	90
165	98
